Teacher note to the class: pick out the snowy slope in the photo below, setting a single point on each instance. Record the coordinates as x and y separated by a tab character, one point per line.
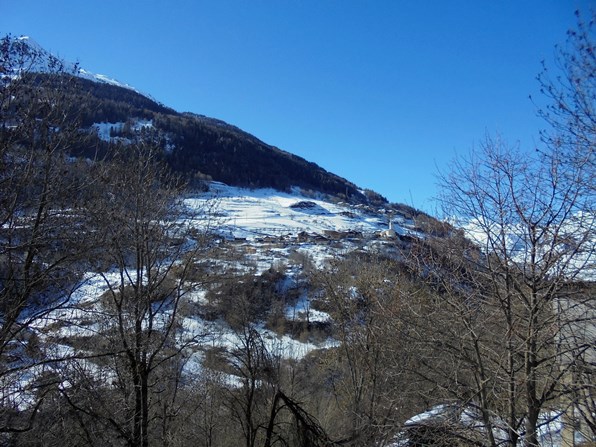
274	225
256	218
253	214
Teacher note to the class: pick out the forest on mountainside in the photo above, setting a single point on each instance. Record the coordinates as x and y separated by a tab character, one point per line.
195	146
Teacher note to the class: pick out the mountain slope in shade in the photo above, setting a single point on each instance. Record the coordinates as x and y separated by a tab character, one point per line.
198	147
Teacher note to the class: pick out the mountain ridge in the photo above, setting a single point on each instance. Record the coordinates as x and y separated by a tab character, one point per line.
194	145
42	60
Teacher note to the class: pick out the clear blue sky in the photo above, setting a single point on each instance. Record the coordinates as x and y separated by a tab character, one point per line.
382	92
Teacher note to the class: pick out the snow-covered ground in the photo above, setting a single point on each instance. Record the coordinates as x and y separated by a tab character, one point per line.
273	225
257	213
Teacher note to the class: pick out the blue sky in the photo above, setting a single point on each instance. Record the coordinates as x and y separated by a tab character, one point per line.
383	93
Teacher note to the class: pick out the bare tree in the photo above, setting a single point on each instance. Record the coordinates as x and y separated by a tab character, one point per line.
148	254
252	363
570	91
521	337
42	228
535	229
368	370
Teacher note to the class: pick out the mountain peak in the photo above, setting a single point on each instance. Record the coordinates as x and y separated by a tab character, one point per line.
24	54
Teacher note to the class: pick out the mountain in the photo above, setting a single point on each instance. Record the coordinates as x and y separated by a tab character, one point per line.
196	146
281	310
32	57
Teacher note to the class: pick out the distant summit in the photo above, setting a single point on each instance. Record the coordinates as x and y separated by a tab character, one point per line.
22	53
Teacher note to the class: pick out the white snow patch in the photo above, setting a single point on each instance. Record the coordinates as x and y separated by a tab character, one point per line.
104	130
252	214
302	311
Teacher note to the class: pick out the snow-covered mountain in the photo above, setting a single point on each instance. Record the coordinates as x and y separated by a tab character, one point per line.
32	57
